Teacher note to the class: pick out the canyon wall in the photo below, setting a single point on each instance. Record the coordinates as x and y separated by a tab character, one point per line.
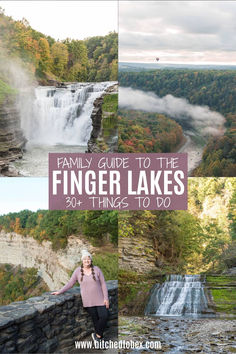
53	267
137	254
12	140
98	137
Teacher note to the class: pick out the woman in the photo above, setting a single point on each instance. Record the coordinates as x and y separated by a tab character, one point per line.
93	292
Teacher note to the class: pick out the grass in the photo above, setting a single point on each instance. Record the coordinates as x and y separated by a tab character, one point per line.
220	280
225	296
110	103
222	295
108	262
5	90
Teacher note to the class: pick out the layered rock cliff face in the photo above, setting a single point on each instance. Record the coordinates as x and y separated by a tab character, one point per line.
53	267
12	140
97	133
137	254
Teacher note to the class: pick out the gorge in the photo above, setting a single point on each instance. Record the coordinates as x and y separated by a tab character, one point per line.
198	123
54	267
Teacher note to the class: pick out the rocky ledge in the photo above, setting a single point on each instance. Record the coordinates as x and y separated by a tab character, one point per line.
97	116
12	140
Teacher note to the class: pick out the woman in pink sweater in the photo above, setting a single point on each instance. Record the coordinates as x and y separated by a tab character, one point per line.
94	292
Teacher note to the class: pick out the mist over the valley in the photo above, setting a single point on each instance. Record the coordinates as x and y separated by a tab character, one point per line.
200	118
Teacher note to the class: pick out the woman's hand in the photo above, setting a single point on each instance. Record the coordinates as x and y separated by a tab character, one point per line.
55	293
106	302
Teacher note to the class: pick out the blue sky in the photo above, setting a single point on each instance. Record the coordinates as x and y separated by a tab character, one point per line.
23	193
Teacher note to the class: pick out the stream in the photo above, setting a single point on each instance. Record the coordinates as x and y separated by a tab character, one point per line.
180	335
178	316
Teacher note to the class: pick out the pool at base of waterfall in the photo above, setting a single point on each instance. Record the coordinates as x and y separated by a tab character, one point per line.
35	159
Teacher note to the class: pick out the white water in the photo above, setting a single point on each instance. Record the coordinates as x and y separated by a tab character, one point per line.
56	120
179	295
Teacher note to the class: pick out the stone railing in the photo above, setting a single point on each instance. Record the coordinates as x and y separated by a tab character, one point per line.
50	323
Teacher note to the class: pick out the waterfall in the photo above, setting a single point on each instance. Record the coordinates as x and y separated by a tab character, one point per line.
179	295
61	115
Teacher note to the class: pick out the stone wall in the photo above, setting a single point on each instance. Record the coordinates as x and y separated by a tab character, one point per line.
49	324
12	140
53	267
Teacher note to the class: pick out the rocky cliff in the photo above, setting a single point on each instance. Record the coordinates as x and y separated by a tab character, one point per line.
98	137
53	267
12	140
137	254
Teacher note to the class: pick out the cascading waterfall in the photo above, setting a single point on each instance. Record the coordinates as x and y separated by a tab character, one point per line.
56	120
62	115
179	295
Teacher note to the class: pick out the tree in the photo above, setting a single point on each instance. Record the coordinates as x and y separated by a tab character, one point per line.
45	61
60	56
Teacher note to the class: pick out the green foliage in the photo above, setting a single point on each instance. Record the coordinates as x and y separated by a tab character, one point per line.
134	291
103	57
59	58
57	225
6	91
147	132
197	240
220	280
100	226
18	284
108	263
214	88
223	290
110	103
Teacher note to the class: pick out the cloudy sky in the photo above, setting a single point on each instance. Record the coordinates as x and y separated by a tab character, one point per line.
66	19
178	31
23	193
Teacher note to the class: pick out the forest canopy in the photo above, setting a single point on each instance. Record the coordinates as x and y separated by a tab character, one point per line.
201	239
213	88
57	225
147	132
91	59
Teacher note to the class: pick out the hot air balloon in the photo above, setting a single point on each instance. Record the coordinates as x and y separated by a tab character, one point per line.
157	59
